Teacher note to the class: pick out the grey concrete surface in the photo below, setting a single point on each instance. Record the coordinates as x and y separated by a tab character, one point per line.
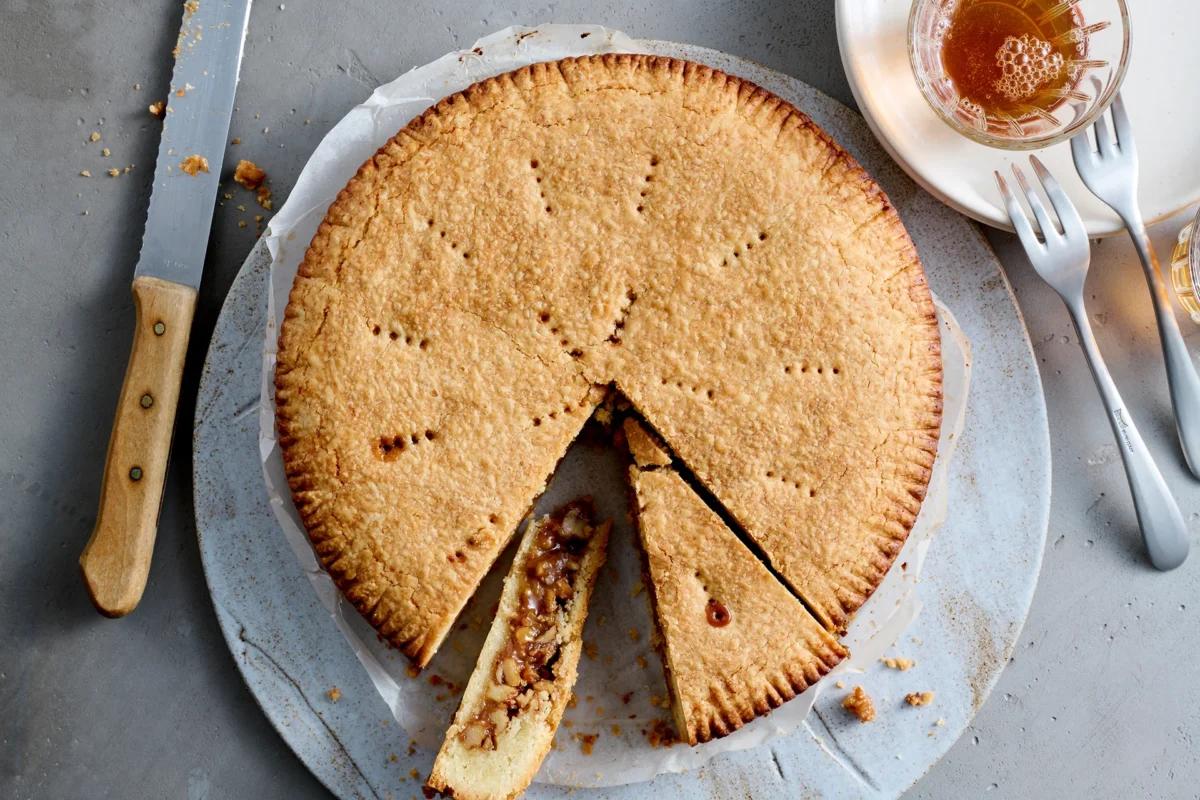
1100	699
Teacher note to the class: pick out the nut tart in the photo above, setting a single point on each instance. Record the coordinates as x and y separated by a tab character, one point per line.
522	681
735	642
622	221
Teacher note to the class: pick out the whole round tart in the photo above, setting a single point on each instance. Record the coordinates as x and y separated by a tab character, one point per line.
618	223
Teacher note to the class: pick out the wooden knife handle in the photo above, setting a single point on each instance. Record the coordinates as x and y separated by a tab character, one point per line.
116	560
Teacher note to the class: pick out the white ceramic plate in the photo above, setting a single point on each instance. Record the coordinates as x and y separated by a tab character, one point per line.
1160	92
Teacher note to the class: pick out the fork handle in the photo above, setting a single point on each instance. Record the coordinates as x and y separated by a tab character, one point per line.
1182	379
1158	516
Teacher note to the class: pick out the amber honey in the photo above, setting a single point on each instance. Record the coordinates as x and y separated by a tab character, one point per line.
1013	58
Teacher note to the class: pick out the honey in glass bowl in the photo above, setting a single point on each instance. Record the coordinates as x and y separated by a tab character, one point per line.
1013	58
1010	73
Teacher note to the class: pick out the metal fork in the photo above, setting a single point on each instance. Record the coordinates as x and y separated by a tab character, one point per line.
1111	173
1062	261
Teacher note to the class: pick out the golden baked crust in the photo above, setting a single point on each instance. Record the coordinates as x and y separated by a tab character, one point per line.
735	642
622	220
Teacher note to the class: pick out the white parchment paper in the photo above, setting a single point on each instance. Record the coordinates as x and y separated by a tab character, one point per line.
620	691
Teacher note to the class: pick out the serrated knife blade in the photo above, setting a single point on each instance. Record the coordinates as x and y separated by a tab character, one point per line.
208	56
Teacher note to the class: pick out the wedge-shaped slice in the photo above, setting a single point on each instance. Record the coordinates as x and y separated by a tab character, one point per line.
516	696
735	642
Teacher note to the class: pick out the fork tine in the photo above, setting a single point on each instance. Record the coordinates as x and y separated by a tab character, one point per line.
1035	203
1081	150
1121	123
1068	215
1017	215
1104	140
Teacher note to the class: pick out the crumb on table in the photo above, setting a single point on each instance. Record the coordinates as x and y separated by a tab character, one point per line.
859	704
249	174
334	694
157	109
918	698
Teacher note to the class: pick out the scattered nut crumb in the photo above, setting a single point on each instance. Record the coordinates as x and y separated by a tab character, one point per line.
194	164
94	137
334	694
105	152
918	698
157	109
414	774
137	87
264	197
941	722
859	704
128	169
241	223
902	664
587	741
84	173
412	670
660	734
228	196
114	172
840	684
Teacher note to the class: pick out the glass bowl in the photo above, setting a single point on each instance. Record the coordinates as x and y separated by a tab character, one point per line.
1100	56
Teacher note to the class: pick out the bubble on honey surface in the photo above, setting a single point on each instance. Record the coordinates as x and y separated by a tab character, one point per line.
1027	63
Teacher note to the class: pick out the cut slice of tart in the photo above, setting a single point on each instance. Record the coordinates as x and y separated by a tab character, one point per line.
523	678
735	642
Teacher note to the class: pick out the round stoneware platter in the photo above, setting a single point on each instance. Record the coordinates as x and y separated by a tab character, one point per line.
979	573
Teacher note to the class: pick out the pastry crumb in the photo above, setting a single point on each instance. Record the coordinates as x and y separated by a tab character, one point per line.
941	722
194	164
334	694
85	173
241	223
587	741
114	172
859	704
263	195
840	684
94	137
157	109
412	670
247	173
918	698
105	152
902	664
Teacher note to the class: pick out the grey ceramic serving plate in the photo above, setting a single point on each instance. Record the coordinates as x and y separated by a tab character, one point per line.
979	577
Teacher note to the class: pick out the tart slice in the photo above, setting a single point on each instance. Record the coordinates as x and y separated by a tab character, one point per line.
523	678
735	642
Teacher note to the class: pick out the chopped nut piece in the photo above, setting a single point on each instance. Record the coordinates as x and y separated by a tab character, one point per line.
334	694
94	137
840	684
941	723
248	174
918	698
157	109
264	197
105	152
902	664
194	164
241	223
859	704
83	173
114	172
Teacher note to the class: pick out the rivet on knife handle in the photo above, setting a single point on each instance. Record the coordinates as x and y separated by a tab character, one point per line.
116	560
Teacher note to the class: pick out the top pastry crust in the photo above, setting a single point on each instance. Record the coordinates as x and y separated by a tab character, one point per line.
619	220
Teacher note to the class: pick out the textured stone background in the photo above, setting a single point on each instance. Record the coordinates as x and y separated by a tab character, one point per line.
1100	699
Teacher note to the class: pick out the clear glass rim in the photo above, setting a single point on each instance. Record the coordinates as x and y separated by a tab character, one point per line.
1034	142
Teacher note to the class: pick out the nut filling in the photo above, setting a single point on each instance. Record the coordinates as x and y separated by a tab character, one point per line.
523	673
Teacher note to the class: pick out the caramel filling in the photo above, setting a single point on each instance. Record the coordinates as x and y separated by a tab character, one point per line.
523	672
